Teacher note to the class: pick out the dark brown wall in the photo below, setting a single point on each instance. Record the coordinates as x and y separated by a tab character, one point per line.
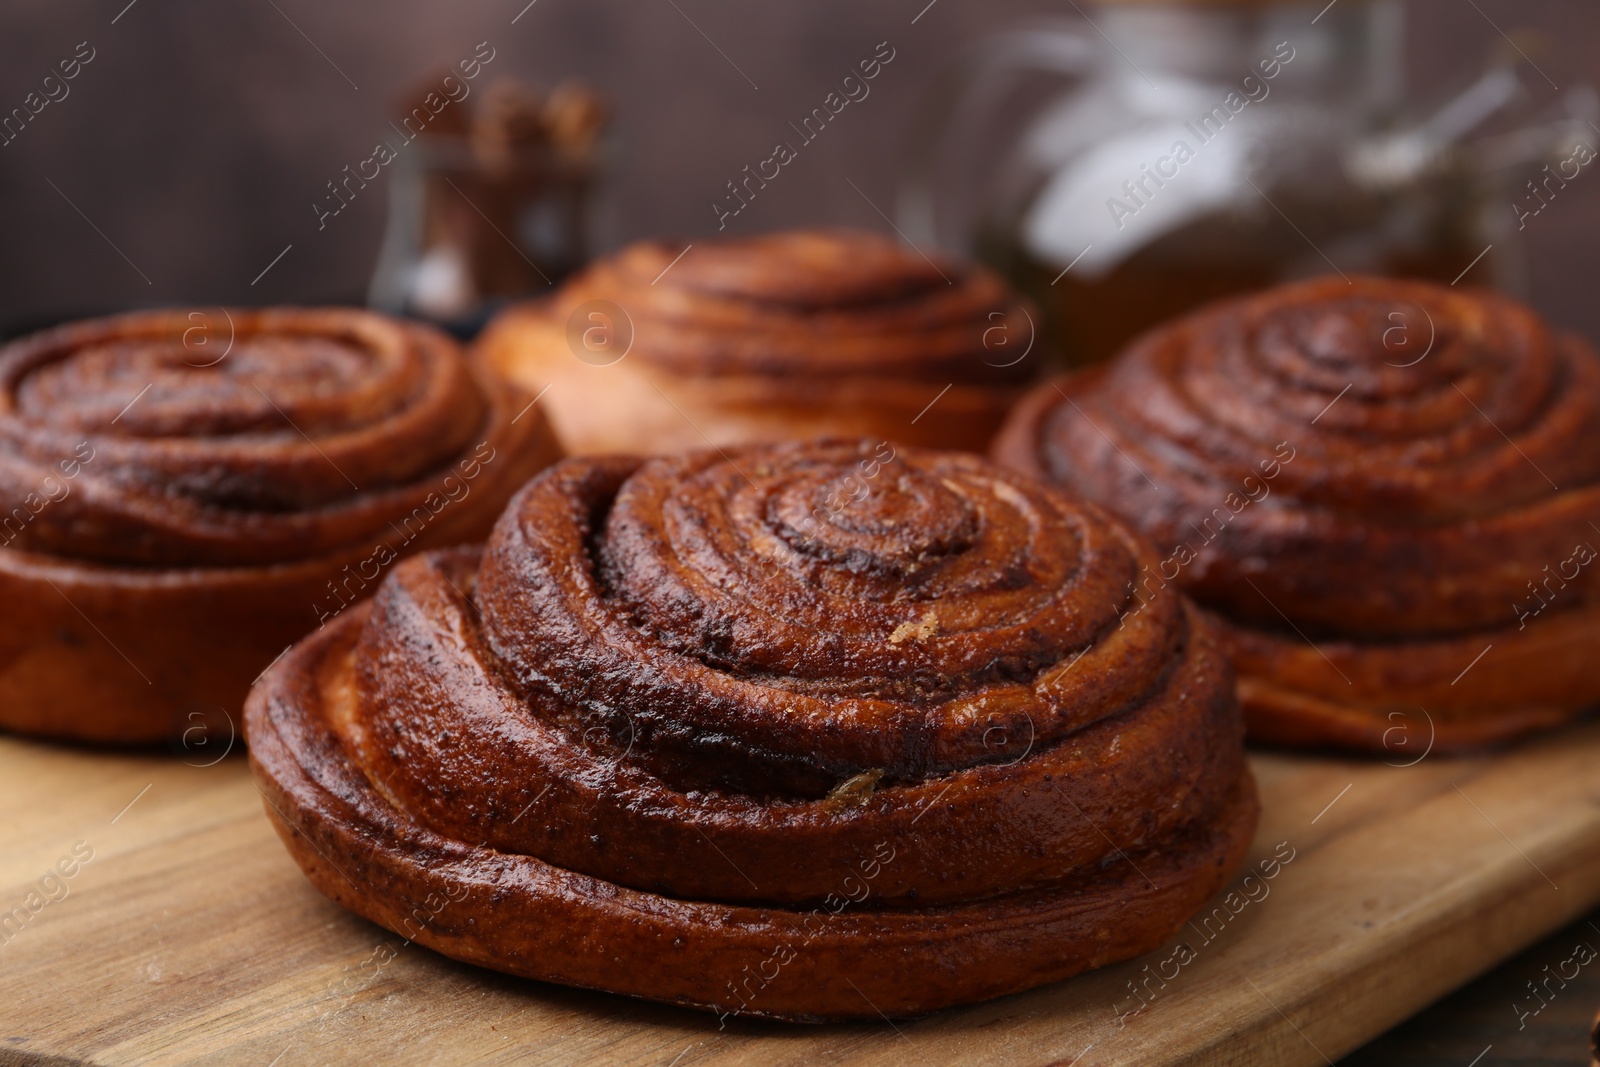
202	132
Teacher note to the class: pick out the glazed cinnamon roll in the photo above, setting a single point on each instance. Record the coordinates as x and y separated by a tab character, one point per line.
185	494
802	731
1386	492
670	346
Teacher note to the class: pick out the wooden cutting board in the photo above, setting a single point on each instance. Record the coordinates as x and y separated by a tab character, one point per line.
188	936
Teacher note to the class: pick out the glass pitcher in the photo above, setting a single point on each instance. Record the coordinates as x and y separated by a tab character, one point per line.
1130	165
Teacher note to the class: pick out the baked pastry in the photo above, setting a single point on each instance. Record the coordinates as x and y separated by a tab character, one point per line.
1388	490
185	494
778	337
804	731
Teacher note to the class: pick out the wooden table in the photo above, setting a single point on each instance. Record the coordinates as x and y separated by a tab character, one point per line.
1479	1024
189	937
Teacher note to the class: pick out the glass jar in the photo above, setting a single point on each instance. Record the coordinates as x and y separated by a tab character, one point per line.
1198	150
493	208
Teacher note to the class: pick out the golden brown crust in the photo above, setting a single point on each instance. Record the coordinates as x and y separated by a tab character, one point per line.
1373	482
783	336
684	704
176	518
1403	697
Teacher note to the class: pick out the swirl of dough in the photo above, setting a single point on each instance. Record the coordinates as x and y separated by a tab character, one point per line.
183	494
781	336
732	677
315	430
1364	464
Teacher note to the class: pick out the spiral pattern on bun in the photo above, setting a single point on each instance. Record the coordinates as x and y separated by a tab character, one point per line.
888	716
312	433
780	336
1371	481
206	485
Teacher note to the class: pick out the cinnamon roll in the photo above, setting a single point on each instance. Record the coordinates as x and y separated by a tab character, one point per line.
668	346
803	731
1386	492
185	494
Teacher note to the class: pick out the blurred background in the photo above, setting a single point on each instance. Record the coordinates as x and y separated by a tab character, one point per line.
195	146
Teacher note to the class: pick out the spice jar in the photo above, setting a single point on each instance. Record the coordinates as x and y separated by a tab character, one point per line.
491	205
